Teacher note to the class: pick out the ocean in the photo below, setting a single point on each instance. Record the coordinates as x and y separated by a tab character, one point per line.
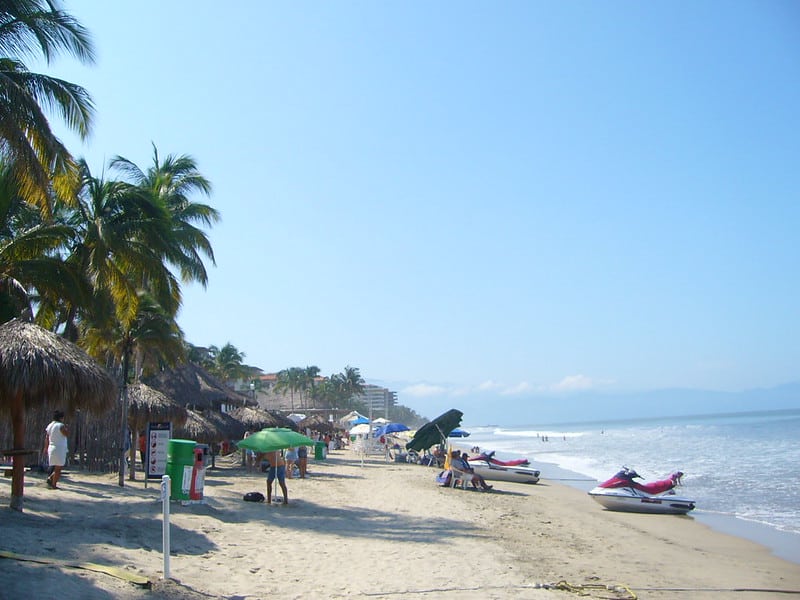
743	469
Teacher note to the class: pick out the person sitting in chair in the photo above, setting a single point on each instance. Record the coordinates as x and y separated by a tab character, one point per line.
462	464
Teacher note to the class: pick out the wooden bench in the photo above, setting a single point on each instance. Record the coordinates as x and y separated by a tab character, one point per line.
8	470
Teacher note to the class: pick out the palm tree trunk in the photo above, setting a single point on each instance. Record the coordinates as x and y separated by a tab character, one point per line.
126	359
18	471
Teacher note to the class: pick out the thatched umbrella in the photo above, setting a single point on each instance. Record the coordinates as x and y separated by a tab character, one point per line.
197	427
230	426
255	419
146	405
316	422
39	368
193	387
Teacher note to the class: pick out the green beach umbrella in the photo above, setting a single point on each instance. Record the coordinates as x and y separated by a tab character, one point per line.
274	438
436	431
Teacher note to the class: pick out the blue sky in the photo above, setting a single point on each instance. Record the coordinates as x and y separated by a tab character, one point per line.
476	203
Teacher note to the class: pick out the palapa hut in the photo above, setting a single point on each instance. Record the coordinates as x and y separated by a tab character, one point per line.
41	370
147	405
193	387
315	423
200	429
255	419
229	425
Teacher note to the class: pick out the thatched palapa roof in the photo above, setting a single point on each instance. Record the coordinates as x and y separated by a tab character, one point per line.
39	368
227	424
255	419
199	429
146	405
316	422
50	372
192	386
210	426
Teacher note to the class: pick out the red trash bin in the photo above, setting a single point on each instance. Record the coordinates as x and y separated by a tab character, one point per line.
198	474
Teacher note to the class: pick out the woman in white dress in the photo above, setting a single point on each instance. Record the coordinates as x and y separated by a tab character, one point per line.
55	444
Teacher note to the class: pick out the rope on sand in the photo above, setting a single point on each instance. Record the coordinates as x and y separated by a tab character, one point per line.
113	571
585	588
757	590
621	592
563	586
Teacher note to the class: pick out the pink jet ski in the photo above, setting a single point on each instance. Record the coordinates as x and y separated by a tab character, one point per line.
488	457
622	493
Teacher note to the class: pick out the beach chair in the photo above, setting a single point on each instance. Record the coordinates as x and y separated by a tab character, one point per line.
460	477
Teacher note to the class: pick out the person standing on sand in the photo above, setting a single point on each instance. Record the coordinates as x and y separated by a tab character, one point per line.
302	461
276	469
291	460
55	444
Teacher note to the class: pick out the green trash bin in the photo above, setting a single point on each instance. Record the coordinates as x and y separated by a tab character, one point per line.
180	460
319	450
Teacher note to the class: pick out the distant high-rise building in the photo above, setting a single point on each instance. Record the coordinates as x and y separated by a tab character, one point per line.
379	399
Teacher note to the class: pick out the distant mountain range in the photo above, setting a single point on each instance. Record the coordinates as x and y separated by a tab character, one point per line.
595	406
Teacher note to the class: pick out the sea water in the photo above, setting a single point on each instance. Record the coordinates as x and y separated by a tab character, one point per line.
743	466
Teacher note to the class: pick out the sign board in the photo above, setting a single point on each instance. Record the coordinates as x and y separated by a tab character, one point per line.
158	436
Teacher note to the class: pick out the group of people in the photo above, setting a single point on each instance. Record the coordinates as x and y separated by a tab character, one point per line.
297	457
460	462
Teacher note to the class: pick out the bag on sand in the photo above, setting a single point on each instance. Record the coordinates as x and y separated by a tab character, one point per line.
253	497
443	478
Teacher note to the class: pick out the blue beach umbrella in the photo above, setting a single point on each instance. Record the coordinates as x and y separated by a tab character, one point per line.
359	421
459	433
390	428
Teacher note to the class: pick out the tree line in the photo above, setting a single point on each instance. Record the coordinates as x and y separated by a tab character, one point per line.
101	259
305	384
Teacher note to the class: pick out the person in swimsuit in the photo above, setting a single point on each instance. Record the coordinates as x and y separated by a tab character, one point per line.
276	470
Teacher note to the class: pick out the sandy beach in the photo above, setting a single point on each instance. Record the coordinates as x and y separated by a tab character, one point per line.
367	530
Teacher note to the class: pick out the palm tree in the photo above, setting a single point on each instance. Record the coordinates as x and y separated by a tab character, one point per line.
352	381
151	341
114	228
170	184
327	393
308	382
290	379
228	362
37	159
152	332
30	265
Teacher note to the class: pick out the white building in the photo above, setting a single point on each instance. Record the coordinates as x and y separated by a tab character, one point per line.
378	400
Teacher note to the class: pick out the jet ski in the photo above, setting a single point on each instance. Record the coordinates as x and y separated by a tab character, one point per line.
494	472
488	457
622	493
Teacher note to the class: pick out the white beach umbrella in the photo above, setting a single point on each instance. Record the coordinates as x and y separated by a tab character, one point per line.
350	417
362	429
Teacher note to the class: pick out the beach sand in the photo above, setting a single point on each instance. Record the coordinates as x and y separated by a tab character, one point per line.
371	530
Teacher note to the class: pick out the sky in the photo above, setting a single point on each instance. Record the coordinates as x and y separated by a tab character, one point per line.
479	205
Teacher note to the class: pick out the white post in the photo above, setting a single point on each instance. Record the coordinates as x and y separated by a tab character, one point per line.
165	493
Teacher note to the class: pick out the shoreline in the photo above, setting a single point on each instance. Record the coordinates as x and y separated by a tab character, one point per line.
782	544
368	530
